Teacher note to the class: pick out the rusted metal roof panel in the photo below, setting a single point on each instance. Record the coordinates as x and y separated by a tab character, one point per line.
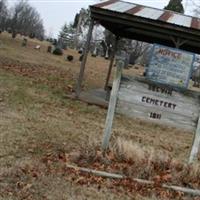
195	23
145	12
165	16
135	9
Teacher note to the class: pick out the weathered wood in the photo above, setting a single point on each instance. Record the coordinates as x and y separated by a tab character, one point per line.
111	63
143	99
85	54
93	97
96	172
141	181
167	118
138	29
182	189
134	82
140	98
195	145
112	105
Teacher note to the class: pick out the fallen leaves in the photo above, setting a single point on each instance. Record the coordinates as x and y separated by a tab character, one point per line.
55	164
48	75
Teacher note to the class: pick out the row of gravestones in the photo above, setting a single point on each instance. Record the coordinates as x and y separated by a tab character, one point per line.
129	58
97	51
15	33
56	49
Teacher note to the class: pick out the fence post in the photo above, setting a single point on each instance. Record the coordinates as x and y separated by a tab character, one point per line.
112	104
196	143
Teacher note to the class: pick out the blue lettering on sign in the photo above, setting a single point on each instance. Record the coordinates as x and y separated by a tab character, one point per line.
170	66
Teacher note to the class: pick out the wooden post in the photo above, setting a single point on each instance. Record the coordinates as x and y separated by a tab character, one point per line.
111	63
112	105
195	145
85	54
104	174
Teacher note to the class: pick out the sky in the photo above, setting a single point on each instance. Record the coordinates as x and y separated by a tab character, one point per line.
57	12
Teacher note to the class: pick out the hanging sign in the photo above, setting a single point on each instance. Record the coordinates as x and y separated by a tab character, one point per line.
170	66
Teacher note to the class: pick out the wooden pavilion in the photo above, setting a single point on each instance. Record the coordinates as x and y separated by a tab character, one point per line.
137	22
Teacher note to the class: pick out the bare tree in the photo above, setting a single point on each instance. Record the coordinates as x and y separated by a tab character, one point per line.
26	20
81	23
3	14
67	34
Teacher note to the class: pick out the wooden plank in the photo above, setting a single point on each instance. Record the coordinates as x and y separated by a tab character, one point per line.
141	84
111	62
195	145
141	181
135	84
158	103
188	101
167	118
152	90
112	105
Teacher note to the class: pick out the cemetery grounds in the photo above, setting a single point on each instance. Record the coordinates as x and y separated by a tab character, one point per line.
41	131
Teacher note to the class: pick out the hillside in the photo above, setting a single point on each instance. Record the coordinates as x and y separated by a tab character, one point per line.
41	130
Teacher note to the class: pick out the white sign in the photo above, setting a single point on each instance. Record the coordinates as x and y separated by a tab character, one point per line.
158	104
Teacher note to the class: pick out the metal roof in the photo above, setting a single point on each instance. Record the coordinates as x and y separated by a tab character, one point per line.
148	24
151	13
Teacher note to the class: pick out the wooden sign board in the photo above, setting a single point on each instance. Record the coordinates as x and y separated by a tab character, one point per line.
157	103
170	66
140	98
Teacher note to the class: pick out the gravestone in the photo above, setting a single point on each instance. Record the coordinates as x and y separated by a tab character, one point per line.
24	42
57	50
94	53
1	44
49	49
81	58
69	58
14	34
37	47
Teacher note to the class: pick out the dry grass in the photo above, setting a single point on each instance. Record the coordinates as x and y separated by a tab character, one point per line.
37	120
136	153
13	51
129	151
138	161
154	162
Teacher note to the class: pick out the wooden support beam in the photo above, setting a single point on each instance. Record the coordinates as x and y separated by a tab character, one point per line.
178	42
111	62
112	105
195	145
103	174
85	55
